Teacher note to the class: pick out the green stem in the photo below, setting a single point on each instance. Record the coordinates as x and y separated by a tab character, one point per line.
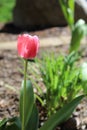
24	96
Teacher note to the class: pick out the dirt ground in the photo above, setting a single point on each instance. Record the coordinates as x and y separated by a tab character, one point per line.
11	77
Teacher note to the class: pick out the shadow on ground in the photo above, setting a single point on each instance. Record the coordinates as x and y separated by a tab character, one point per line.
11	28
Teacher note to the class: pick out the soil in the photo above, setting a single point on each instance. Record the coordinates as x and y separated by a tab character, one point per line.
11	77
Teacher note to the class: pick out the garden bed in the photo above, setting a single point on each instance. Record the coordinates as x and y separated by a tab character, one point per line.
10	81
11	77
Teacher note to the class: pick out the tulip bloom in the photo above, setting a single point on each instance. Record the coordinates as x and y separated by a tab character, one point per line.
27	46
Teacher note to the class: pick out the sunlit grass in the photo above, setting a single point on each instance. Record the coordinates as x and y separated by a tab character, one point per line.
6	8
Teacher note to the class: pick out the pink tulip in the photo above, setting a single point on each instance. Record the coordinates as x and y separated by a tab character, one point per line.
27	46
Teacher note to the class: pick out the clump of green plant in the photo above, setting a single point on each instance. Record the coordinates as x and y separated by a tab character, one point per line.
78	29
62	80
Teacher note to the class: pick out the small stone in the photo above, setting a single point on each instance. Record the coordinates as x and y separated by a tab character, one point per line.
83	127
76	114
70	124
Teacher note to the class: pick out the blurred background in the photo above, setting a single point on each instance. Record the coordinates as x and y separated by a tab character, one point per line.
6	7
34	15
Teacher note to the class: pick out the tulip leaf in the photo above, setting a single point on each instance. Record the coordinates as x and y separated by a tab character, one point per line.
3	124
13	123
67	7
28	103
12	127
62	115
34	120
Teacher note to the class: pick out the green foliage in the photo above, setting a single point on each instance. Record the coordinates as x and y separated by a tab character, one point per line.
68	11
32	124
6	8
34	119
78	29
62	80
84	76
10	124
27	105
61	115
36	76
84	71
78	32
